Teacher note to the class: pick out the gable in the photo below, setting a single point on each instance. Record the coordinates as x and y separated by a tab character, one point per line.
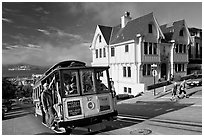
172	30
116	34
134	27
106	32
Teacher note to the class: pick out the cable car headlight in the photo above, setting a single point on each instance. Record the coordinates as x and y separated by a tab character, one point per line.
91	105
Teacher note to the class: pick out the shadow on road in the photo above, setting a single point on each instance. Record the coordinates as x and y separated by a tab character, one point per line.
46	133
19	110
193	92
145	110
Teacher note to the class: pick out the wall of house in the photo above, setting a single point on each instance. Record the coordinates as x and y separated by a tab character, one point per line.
120	55
125	59
96	44
193	48
150	58
149	80
120	82
165	57
180	57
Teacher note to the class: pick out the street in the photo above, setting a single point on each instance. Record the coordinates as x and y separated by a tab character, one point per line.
160	116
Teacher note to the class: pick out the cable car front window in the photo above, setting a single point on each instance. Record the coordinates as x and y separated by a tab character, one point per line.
101	81
87	81
70	83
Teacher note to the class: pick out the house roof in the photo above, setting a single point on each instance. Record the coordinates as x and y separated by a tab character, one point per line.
116	34
106	31
132	28
194	30
169	29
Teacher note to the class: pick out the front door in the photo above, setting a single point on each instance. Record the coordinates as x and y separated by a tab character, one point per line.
163	70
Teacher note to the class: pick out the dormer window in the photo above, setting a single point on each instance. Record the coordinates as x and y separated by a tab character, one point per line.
99	38
181	33
150	28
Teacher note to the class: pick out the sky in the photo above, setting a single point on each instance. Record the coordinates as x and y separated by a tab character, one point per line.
44	33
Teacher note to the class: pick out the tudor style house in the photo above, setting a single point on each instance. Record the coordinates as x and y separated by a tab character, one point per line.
174	49
131	47
195	51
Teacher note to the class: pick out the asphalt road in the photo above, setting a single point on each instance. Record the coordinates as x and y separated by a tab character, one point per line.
160	116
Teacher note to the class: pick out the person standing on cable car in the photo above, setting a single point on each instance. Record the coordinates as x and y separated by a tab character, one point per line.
41	107
47	103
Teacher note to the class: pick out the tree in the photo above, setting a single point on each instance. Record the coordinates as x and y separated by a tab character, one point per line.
8	89
27	90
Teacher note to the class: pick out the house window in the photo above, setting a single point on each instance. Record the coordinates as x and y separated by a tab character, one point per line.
181	33
177	48
124	71
100	53
126	48
129	90
129	71
99	38
96	53
104	52
145	48
180	48
184	48
125	89
197	50
150	48
200	52
155	48
150	28
146	70
112	51
179	67
189	52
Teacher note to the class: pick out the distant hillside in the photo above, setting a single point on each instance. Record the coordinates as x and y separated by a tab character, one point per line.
22	70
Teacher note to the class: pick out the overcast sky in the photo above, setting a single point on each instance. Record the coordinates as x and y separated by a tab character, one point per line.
46	33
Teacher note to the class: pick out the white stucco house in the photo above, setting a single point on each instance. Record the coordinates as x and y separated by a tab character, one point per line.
130	49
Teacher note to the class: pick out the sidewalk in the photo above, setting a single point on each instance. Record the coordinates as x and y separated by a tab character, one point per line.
149	96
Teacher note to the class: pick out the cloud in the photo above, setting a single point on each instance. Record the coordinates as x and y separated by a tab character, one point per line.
41	10
7	20
61	33
33	46
55	32
47	54
15	47
109	13
44	31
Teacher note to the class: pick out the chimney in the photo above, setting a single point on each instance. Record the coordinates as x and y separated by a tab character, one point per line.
125	19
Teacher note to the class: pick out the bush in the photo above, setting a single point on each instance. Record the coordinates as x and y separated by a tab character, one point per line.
124	96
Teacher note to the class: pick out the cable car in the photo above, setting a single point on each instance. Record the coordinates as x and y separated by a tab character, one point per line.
82	95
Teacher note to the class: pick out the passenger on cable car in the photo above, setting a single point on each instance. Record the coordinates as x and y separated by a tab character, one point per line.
100	85
70	86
